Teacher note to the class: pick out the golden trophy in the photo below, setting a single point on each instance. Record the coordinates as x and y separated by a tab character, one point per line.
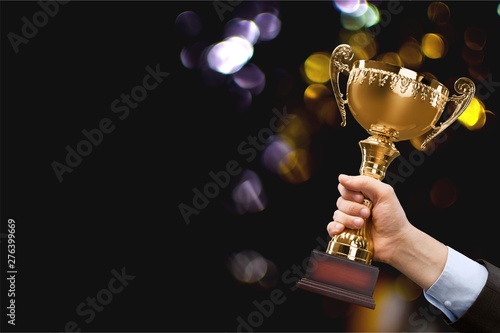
392	104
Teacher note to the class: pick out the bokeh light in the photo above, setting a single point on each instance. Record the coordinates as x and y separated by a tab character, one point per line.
192	55
363	45
406	288
434	46
247	266
230	55
320	101
388	314
355	15
372	15
295	168
269	26
411	54
391	58
474	116
351	22
475	38
188	23
348	6
275	152
246	29
443	193
438	12
253	22
316	67
252	78
299	130
248	194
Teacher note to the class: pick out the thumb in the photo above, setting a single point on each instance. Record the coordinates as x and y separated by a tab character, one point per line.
368	186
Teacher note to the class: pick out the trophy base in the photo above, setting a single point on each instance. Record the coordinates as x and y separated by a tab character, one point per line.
340	279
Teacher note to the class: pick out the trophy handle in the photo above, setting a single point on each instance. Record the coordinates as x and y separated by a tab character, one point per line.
340	53
466	88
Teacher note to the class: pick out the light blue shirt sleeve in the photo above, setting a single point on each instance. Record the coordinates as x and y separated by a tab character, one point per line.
458	286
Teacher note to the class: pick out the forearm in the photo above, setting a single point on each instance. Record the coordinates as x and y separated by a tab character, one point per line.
420	257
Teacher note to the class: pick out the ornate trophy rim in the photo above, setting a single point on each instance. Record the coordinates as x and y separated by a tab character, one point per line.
419	77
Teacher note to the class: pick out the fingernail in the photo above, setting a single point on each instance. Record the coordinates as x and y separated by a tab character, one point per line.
335	228
358	222
364	212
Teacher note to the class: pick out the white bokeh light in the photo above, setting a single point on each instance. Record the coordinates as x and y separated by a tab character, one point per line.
230	55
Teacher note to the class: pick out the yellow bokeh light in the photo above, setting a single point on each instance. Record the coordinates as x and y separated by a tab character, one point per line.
383	318
319	99
316	67
295	168
363	44
475	38
411	54
474	115
438	12
406	288
433	46
313	95
391	58
299	130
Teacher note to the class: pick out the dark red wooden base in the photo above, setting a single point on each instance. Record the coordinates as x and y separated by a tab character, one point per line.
340	278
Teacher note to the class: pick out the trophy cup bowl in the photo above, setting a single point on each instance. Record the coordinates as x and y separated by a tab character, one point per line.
392	104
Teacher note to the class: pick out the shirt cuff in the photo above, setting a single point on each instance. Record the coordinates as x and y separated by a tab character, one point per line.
458	286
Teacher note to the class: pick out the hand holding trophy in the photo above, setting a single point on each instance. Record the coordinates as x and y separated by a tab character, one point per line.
392	104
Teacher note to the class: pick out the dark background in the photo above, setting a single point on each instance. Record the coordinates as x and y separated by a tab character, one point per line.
119	207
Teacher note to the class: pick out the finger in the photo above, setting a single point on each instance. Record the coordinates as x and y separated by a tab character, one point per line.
334	228
352	208
368	186
348	221
355	196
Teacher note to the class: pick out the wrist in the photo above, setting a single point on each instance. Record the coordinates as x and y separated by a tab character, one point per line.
419	256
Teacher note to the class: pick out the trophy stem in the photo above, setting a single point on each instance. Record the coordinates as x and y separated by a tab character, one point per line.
378	151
